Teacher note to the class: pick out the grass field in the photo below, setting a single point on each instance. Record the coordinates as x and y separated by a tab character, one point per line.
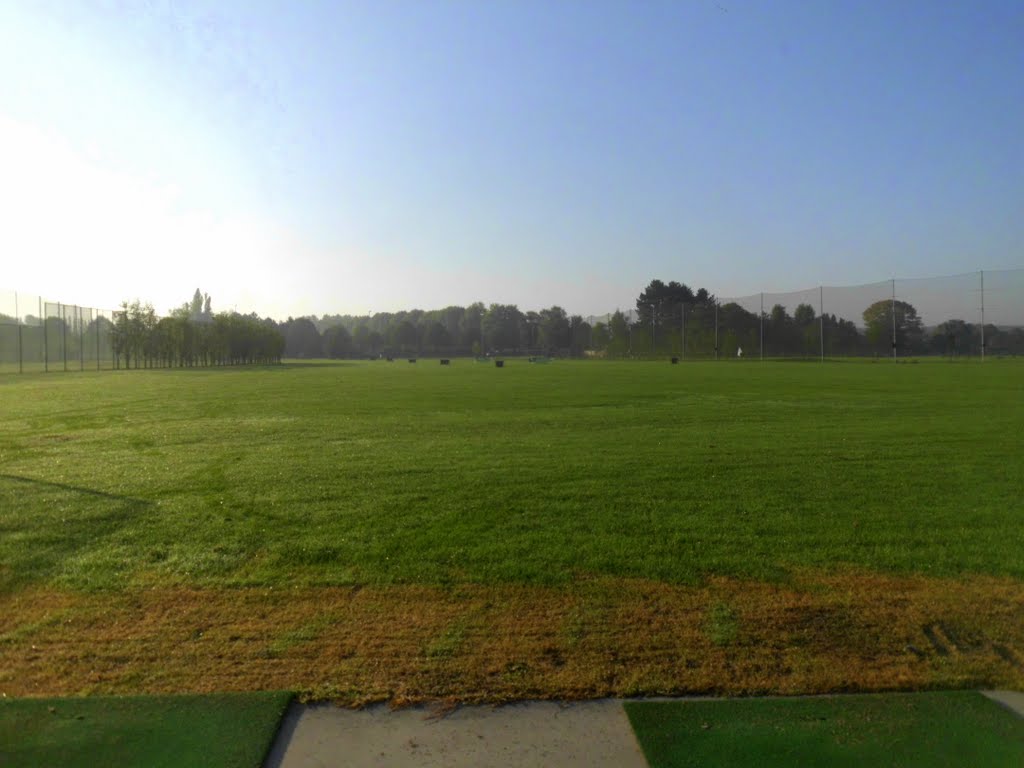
928	730
368	530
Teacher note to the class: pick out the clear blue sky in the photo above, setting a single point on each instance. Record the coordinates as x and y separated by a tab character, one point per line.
298	157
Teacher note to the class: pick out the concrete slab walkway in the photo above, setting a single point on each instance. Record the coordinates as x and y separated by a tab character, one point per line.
541	733
592	733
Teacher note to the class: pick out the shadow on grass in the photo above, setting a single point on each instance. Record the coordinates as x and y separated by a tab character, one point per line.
287	365
299	364
76	489
80	538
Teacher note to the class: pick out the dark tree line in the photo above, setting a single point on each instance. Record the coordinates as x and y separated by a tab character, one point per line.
473	330
670	318
192	335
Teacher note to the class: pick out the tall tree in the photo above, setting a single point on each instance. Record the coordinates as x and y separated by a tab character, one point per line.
406	337
955	337
302	338
618	329
841	336
809	332
878	322
554	328
532	322
361	340
438	337
337	342
779	317
472	326
738	329
580	334
502	323
804	315
600	337
661	302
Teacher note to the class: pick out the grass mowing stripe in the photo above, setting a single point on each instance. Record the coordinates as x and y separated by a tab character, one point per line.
226	730
928	730
336	474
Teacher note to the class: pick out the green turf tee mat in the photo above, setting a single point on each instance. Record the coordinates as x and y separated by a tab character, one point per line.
958	728
232	729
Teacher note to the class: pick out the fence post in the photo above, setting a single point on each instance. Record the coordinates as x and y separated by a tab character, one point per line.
46	342
821	317
654	331
716	329
682	331
61	312
982	315
17	319
894	318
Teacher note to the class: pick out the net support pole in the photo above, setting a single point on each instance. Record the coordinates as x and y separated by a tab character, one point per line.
653	331
894	318
17	319
96	325
821	318
46	343
81	341
61	311
982	274
716	329
762	327
682	331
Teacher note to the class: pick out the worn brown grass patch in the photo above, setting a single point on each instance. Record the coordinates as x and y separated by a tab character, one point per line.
813	634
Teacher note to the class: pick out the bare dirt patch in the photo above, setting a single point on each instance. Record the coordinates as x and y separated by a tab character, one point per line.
607	637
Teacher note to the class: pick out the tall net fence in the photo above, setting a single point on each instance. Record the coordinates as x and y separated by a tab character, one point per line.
39	335
969	315
960	316
42	336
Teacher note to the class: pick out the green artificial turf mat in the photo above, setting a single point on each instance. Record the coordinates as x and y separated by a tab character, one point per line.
231	729
927	729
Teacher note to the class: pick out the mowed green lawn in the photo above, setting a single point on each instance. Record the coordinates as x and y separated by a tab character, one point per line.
373	472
